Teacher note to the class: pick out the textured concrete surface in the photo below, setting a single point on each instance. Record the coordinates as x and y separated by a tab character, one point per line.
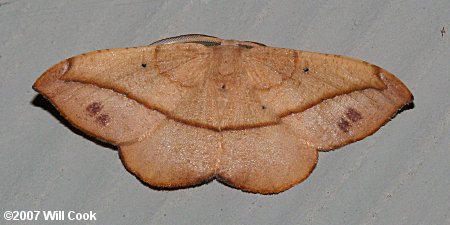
399	175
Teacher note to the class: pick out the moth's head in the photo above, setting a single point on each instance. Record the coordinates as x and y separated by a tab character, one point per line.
207	41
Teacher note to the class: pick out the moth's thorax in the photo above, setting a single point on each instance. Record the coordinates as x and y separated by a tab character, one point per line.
227	58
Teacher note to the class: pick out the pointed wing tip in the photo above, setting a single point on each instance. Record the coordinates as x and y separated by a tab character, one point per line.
51	75
401	89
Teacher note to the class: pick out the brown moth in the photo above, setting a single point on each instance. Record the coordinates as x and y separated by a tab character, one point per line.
193	108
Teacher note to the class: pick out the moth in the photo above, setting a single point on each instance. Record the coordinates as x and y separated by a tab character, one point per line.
189	109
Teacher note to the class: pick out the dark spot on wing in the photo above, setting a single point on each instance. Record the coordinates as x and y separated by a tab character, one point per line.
144	65
103	119
344	125
305	70
94	108
353	115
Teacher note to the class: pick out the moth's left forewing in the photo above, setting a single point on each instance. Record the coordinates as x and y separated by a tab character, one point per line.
307	78
352	116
